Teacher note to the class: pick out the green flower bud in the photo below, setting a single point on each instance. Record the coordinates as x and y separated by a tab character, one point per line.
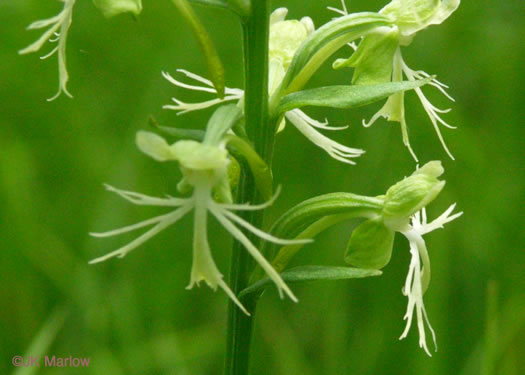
287	36
112	8
412	193
370	245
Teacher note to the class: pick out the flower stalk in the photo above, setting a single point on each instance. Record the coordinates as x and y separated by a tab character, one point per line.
255	37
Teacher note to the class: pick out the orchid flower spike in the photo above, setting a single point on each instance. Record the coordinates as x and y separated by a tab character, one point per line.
204	167
286	36
378	59
404	211
56	33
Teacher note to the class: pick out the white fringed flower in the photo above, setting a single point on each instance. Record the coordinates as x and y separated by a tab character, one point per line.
204	167
56	33
394	110
285	37
409	16
418	277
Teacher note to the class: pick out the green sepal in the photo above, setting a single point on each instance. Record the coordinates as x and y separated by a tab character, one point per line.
305	274
374	58
213	62
238	147
220	122
177	133
345	96
370	245
111	8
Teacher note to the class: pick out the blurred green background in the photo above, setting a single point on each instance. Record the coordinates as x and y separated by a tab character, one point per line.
134	316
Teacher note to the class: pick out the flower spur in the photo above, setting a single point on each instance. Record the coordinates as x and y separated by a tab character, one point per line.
204	167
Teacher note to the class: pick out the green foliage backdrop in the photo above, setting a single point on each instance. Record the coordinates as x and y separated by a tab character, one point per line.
133	316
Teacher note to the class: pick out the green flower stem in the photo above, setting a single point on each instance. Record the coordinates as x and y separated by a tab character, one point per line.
256	34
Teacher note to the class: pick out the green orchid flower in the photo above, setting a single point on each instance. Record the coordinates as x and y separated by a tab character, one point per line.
205	170
378	59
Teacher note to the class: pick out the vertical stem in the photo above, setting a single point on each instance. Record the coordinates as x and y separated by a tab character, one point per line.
255	34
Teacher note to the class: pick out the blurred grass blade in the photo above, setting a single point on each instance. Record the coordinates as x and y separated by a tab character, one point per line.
304	274
213	62
492	333
345	96
43	340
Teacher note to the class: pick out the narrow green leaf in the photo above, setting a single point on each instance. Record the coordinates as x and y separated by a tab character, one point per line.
43	340
304	274
215	67
345	96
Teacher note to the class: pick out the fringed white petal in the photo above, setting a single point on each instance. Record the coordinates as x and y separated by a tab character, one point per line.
342	12
130	228
431	110
249	207
414	291
183	107
203	265
168	220
334	149
145	200
318	124
259	258
59	26
423	227
259	233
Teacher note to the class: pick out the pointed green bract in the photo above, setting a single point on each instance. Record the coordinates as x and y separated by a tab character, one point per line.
111	8
370	245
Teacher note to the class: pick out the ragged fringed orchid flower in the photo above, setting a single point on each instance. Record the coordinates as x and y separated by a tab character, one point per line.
286	37
204	168
378	59
404	211
56	33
